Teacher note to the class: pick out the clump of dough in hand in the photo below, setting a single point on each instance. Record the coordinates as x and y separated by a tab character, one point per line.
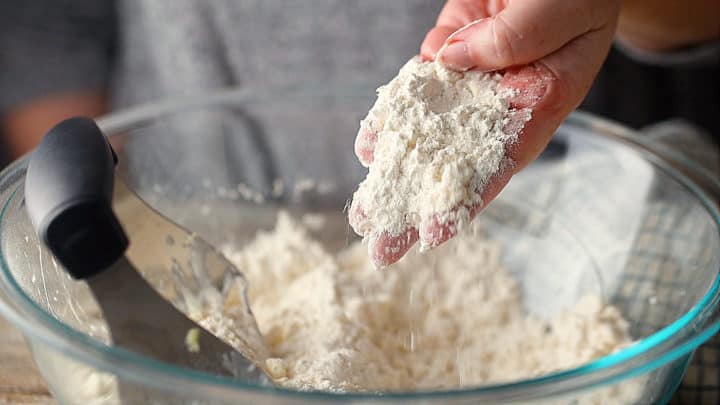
439	137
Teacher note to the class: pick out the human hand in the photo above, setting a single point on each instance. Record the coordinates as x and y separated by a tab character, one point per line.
549	51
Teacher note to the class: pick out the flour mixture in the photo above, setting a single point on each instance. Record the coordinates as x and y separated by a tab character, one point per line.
449	318
441	136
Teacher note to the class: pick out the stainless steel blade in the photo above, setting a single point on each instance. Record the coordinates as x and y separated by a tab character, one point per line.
143	321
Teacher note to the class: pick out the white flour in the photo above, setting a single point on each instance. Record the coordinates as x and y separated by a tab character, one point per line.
449	318
440	138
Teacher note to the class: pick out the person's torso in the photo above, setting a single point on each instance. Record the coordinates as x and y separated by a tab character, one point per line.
171	48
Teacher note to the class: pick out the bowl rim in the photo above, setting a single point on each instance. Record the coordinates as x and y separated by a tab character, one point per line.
668	344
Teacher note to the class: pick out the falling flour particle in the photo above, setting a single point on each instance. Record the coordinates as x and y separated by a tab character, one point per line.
278	187
452	319
441	135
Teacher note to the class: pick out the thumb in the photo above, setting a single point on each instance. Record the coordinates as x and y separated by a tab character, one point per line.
523	32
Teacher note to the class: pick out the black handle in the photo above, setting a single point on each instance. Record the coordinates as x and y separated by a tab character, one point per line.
68	193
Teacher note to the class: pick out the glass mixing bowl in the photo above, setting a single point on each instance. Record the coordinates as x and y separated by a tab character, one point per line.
599	212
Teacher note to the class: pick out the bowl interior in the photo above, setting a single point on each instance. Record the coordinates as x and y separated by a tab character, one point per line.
590	215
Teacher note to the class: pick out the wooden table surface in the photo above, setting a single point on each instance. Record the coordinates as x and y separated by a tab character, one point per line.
20	382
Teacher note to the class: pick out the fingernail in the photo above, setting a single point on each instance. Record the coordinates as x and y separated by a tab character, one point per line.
455	56
365	146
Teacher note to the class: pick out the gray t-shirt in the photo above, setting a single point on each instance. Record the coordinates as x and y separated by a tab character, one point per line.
170	48
155	49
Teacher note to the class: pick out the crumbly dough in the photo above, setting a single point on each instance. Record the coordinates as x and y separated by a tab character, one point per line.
449	318
441	135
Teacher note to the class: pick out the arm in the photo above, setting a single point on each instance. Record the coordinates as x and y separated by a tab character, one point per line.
25	124
661	25
56	62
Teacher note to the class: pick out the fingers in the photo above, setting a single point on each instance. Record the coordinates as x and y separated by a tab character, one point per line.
454	15
386	249
549	90
365	146
436	230
523	32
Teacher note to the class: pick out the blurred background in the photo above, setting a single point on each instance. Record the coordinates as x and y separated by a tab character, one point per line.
67	57
60	58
